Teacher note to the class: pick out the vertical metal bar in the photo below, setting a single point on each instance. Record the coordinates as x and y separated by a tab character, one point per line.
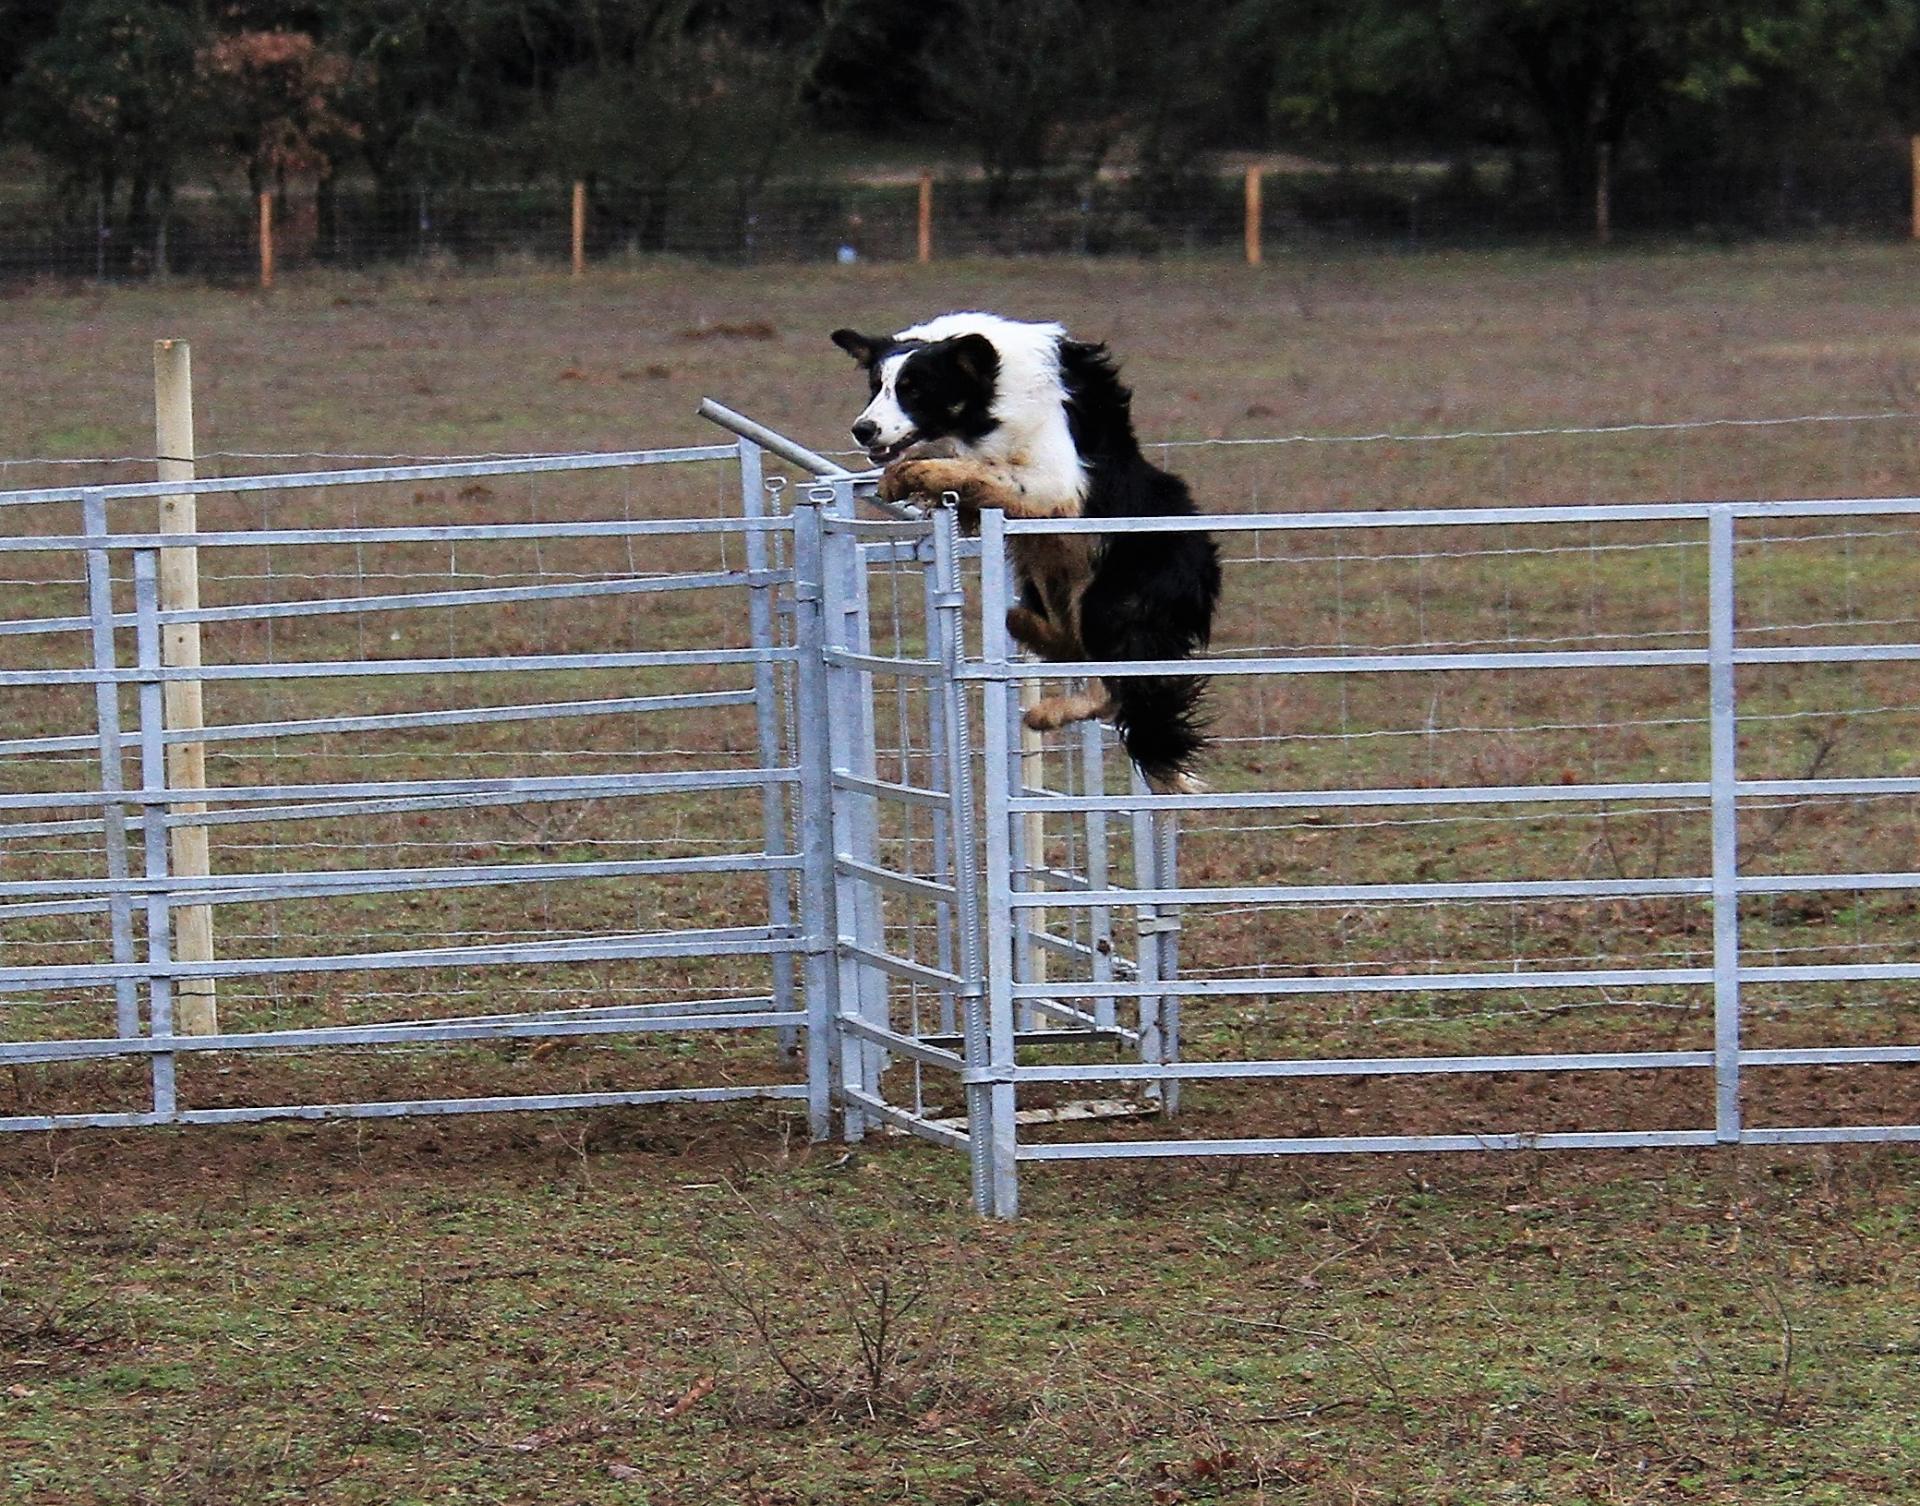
1146	925
1167	876
1726	825
869	917
106	706
1093	745
153	776
949	601
1027	849
945	640
773	804
816	815
1001	1138
845	688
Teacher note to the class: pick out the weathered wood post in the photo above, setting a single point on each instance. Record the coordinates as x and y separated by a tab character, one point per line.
194	1004
926	215
579	228
1253	217
266	241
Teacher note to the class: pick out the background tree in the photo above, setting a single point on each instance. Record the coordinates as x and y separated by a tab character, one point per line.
112	97
276	95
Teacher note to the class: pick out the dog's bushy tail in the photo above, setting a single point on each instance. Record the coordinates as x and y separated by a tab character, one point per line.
1162	721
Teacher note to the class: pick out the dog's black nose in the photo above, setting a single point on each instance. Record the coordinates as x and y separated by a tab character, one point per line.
864	431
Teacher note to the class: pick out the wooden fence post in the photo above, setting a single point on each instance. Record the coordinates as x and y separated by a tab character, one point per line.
1253	216
266	241
194	1006
1603	193
579	228
1914	145
926	215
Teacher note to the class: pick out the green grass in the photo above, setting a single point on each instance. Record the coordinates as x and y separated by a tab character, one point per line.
511	1313
531	1309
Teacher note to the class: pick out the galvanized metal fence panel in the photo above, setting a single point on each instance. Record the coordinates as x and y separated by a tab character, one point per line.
349	758
947	924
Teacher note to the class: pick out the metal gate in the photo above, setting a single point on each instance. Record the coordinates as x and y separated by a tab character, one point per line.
501	810
611	779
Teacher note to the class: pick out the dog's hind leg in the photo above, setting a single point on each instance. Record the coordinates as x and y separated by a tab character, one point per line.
1031	630
1055	711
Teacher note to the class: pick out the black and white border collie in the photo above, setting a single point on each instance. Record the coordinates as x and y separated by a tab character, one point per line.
1019	417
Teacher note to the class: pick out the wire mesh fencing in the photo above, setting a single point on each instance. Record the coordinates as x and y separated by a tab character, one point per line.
211	230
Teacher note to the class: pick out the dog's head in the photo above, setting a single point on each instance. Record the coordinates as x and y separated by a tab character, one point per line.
922	390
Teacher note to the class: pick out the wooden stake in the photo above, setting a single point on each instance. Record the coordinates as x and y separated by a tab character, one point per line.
1253	216
1915	145
579	229
266	241
1603	193
194	1007
926	213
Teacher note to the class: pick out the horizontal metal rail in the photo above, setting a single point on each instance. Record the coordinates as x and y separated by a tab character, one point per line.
433	533
228	888
732	941
1465	982
906	794
903	1045
1470	517
466	716
273	611
355	669
903	1119
427	1032
563	786
450	470
1385	1066
1333	1145
408	1108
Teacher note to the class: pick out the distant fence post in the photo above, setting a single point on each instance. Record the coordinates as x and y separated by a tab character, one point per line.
266	241
926	215
1253	216
186	763
1914	146
579	228
1603	193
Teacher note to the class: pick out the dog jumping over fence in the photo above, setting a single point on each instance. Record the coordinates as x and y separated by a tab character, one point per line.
1019	417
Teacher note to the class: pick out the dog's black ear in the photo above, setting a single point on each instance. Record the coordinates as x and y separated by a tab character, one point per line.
863	348
975	357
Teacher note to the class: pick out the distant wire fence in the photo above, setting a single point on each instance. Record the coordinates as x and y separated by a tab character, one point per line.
224	235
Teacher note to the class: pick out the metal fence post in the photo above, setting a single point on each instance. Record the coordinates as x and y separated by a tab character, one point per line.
773	804
1146	926
1093	781
949	623
1001	1140
816	815
113	814
946	641
840	711
1167	876
153	776
1724	730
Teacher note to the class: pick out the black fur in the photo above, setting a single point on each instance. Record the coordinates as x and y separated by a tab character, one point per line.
1151	596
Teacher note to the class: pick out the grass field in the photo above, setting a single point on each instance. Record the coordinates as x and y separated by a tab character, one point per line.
695	1306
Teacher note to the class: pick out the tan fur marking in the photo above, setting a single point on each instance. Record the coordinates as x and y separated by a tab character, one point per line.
1056	711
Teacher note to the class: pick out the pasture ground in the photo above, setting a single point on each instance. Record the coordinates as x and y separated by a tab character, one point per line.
693	1306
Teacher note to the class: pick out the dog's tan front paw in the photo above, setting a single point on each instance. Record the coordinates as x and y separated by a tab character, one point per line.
931	479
